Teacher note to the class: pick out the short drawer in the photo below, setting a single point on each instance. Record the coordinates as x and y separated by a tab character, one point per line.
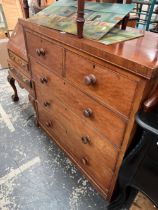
114	89
96	156
23	81
50	87
19	61
46	52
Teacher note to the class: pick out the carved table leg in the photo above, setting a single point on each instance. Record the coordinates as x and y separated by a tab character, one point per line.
11	80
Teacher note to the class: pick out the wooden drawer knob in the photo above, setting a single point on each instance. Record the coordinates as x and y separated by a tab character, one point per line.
11	68
90	79
43	80
49	124
87	112
46	103
84	161
40	52
23	64
85	139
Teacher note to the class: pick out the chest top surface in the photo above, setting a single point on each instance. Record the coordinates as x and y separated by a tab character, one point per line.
139	56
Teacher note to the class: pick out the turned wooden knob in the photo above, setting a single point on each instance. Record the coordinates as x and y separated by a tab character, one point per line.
11	68
85	139
49	124
23	64
84	161
87	112
43	80
40	52
46	104
90	79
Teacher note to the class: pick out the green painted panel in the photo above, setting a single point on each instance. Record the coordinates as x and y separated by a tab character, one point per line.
100	18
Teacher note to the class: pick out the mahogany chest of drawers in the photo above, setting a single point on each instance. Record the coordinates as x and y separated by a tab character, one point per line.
86	95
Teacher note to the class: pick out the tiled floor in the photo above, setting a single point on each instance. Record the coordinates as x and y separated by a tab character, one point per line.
34	173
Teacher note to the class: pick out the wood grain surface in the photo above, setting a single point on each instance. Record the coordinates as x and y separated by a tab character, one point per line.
141	202
87	95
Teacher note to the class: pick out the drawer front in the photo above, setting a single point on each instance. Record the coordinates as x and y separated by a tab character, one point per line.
47	53
23	64
102	119
95	156
23	81
115	90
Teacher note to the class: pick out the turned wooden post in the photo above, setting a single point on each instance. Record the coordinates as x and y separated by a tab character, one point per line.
124	22
80	18
39	3
25	8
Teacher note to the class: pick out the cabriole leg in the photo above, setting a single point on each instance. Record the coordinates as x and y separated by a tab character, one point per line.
11	81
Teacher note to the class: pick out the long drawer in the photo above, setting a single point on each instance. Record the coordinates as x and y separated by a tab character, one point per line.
114	89
20	62
100	118
22	70
46	52
92	152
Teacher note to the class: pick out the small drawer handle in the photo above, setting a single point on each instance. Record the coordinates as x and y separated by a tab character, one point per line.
11	68
43	80
85	139
87	112
49	124
90	79
40	52
46	103
84	161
